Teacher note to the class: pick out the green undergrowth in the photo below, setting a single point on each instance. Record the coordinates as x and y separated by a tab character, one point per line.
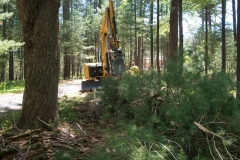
12	86
130	141
67	111
156	116
8	119
177	115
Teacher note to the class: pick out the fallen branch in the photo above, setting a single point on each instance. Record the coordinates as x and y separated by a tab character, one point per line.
201	127
81	129
207	131
25	134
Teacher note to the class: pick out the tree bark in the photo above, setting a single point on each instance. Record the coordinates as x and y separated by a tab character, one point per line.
234	21
238	50
11	66
135	34
2	56
151	32
158	48
173	37
66	39
180	34
40	27
73	65
223	36
139	52
206	41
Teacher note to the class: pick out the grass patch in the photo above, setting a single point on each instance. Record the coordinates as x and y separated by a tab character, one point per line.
12	86
67	111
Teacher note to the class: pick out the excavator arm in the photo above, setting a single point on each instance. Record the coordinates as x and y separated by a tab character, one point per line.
112	56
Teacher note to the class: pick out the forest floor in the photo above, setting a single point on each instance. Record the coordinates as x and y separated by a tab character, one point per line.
80	130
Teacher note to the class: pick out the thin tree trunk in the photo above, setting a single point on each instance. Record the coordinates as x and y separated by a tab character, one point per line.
180	34
158	48
223	36
11	66
234	21
173	39
151	32
130	46
238	50
95	47
206	41
143	51
2	56
21	64
73	65
212	37
78	65
139	52
66	38
135	34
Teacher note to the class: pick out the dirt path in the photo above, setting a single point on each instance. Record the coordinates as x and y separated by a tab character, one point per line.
12	101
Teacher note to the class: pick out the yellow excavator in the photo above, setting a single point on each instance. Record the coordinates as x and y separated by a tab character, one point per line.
112	63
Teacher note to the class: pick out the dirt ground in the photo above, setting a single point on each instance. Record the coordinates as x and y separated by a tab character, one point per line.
70	140
79	137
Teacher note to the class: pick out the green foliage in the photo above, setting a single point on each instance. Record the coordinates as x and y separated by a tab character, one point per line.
136	142
131	95
6	15
66	110
12	86
7	44
158	114
8	119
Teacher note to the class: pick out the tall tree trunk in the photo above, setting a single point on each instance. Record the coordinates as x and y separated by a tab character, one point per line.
173	38
78	65
234	21
151	32
238	51
135	33
40	25
212	41
66	38
180	34
223	36
3	56
206	41
143	51
95	47
10	52
158	48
